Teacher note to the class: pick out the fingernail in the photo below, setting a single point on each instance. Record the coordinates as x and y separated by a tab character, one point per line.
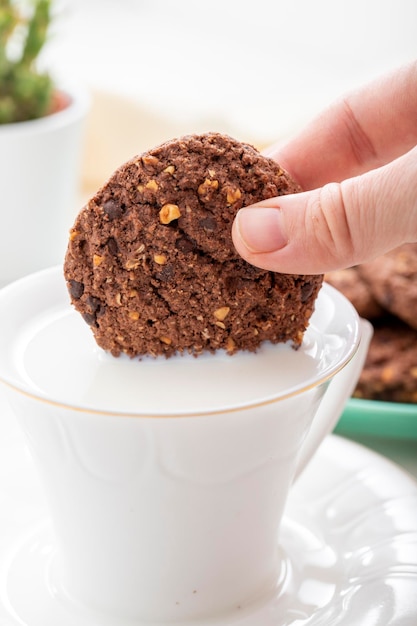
260	229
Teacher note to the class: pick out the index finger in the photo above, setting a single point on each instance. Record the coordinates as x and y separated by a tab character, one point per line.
364	130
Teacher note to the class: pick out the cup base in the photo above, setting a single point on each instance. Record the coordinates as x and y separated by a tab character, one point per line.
36	597
337	568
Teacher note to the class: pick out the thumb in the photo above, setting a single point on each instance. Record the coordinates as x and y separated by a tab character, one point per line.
336	226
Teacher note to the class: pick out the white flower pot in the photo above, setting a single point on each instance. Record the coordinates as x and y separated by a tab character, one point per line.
39	184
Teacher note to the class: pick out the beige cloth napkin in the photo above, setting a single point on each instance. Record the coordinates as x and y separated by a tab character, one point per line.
119	128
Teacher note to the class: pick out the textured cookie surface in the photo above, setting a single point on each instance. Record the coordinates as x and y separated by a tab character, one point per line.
392	279
151	265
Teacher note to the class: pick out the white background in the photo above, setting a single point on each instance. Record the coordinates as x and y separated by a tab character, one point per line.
261	67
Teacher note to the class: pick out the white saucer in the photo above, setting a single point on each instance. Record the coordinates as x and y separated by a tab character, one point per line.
349	543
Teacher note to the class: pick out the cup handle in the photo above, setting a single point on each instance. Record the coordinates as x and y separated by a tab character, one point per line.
339	391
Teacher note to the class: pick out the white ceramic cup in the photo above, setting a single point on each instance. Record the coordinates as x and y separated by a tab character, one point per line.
40	163
169	512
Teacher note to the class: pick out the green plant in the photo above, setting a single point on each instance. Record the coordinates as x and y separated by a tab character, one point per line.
25	92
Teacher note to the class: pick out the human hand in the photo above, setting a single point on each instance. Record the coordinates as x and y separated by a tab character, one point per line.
357	163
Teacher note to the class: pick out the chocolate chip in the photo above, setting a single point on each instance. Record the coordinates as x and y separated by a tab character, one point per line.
233	283
306	291
93	303
185	245
112	246
90	319
97	310
112	209
76	289
208	223
166	273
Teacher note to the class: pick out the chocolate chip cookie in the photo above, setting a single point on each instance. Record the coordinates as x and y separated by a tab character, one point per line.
392	280
151	265
390	371
352	285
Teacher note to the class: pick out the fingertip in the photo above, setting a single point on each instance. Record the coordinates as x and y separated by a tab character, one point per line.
290	238
259	230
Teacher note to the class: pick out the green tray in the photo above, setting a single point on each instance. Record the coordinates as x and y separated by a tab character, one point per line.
385	419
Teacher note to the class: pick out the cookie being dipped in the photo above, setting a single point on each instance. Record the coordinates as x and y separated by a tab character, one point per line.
151	266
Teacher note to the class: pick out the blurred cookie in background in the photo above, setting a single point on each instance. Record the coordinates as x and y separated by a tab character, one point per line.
392	281
384	291
350	283
390	371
